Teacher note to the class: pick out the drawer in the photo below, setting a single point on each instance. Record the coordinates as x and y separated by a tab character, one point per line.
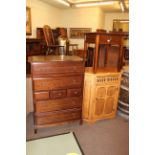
58	94
110	40
103	39
58	117
115	40
74	92
41	84
58	104
41	95
50	69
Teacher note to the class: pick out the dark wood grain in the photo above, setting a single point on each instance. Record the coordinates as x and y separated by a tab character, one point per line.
58	89
109	58
58	117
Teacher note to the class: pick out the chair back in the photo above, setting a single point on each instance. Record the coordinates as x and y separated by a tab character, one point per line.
49	39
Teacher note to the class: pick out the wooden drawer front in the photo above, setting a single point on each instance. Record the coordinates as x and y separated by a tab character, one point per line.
74	92
52	105
116	40
63	116
110	40
103	39
49	70
41	95
57	83
58	94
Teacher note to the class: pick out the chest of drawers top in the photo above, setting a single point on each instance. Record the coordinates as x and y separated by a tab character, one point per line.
54	58
48	66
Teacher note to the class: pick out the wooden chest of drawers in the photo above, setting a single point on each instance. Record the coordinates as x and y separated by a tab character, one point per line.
57	89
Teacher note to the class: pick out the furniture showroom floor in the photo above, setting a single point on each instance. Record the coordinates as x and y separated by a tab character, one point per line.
107	137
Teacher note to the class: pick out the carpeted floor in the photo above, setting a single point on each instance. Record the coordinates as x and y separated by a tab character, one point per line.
107	137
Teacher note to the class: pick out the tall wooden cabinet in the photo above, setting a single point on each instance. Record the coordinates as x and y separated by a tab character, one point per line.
100	96
57	89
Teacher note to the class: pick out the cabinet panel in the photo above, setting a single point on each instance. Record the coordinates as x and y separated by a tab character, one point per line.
52	105
58	94
58	117
57	83
99	107
50	69
109	106
74	92
41	95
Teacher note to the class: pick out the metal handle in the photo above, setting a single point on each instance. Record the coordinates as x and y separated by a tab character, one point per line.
108	40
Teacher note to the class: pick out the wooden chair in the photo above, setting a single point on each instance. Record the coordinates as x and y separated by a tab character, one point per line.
50	42
71	49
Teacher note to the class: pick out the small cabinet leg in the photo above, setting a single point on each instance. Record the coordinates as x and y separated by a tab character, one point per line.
81	122
35	131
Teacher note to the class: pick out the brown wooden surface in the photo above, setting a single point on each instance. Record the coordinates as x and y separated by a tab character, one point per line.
57	83
54	58
111	56
60	116
100	96
57	104
58	89
41	95
33	47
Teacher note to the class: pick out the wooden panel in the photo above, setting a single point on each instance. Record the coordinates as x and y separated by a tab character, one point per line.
99	106
50	118
74	92
110	101
41	95
115	40
90	38
57	83
113	56
58	94
103	39
52	105
49	69
111	91
100	92
87	96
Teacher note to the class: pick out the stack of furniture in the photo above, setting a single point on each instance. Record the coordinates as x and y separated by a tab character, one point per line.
103	60
57	89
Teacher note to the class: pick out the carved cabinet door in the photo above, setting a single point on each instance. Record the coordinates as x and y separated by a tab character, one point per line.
105	102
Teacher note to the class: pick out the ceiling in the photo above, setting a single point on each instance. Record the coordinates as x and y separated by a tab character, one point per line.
106	8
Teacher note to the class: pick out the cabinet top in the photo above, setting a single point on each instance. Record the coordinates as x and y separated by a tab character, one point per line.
51	58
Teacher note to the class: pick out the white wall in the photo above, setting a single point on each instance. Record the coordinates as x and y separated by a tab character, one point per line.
84	18
109	17
41	14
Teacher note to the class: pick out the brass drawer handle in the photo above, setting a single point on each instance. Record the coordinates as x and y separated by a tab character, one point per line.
109	40
76	92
